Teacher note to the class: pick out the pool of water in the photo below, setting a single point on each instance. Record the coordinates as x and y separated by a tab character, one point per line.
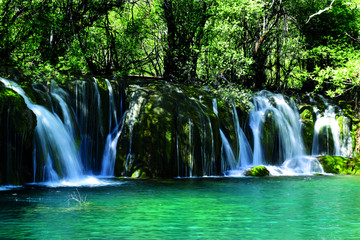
317	207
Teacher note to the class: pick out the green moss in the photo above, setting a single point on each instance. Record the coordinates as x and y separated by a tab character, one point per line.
168	129
139	174
258	171
307	115
18	129
102	84
307	127
355	133
341	125
340	165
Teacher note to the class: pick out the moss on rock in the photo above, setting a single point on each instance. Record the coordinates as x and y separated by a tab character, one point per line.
356	138
172	130
17	132
140	173
340	165
258	171
307	117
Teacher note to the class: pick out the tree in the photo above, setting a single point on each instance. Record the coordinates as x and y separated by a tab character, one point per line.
252	44
17	26
185	21
329	30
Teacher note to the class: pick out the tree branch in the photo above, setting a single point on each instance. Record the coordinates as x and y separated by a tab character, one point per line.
321	11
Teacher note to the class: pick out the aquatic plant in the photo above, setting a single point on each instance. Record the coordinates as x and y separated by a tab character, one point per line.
77	197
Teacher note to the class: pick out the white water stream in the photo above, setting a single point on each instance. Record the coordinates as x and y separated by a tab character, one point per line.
54	144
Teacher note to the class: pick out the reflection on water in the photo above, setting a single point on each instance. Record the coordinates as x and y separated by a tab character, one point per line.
314	207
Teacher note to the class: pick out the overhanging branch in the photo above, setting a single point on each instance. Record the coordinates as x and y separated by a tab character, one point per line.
321	11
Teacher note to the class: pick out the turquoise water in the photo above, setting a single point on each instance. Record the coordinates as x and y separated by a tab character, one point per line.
318	207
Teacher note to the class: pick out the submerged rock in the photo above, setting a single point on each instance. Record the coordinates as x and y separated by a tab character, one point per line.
340	165
258	171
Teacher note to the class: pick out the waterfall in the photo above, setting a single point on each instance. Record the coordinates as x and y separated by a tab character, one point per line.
130	117
228	161
54	145
277	138
108	160
90	118
67	116
83	131
346	142
327	138
112	108
191	149
245	153
276	129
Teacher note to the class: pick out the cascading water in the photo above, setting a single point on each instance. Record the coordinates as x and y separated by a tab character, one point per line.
130	117
88	112
346	141
67	142
278	143
245	153
66	113
228	160
108	160
54	145
276	124
80	136
327	134
112	108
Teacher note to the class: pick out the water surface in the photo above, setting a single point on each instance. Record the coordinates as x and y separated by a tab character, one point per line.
317	207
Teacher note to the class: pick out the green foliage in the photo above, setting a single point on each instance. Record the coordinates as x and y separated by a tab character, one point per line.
234	93
229	45
340	165
341	73
227	52
185	21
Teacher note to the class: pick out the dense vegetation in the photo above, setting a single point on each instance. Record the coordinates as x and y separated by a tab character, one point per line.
309	45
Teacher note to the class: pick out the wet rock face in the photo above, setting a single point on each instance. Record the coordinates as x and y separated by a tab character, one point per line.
326	141
307	126
270	139
167	133
18	127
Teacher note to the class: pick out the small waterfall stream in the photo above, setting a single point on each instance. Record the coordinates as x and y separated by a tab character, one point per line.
54	145
273	120
278	142
327	133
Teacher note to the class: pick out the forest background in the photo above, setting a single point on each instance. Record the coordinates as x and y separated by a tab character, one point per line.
230	45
